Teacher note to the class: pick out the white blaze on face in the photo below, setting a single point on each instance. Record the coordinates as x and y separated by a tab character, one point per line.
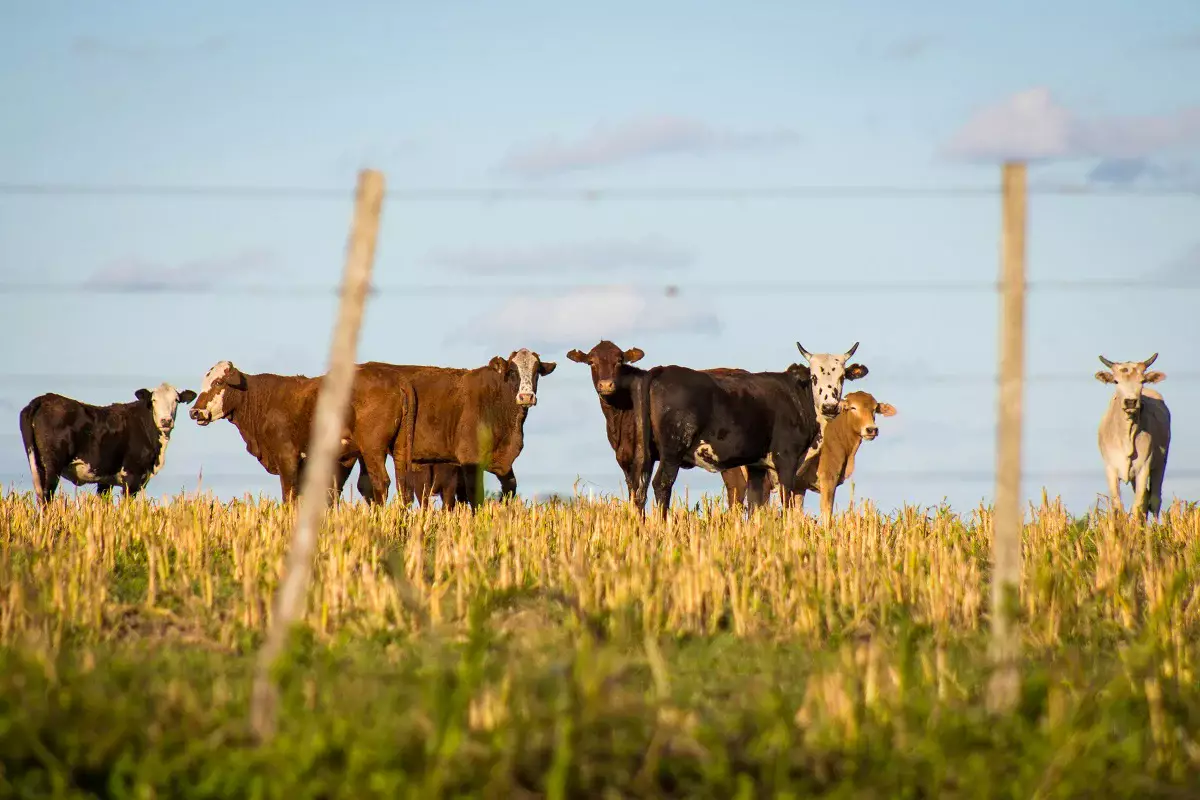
164	402
527	370
828	378
210	404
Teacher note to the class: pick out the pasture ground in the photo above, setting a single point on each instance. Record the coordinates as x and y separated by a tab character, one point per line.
567	651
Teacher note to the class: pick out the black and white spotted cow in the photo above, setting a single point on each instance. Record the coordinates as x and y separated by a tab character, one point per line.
122	444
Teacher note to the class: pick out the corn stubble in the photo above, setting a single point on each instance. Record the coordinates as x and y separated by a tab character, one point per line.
571	648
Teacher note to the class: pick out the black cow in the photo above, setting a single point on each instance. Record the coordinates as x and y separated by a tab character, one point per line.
122	444
722	420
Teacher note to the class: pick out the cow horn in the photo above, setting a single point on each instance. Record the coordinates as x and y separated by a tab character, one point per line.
1149	360
850	352
807	355
1106	362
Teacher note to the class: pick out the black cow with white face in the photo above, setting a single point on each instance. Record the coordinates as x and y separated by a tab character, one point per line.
122	444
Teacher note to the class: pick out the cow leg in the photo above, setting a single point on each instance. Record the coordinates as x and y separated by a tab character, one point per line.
664	482
374	464
1156	482
508	484
1141	492
755	486
472	479
1114	488
104	490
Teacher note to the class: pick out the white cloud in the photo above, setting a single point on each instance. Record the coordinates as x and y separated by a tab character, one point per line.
610	254
609	145
1032	125
588	315
138	274
910	47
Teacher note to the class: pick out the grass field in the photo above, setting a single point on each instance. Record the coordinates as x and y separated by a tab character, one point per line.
567	650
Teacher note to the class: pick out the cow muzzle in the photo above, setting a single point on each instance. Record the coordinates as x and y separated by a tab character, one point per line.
870	433
1130	405
166	424
606	387
830	409
201	416
526	399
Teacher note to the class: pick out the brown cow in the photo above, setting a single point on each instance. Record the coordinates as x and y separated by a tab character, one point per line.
274	414
854	424
471	417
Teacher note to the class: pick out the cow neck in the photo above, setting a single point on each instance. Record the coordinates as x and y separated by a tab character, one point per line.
622	398
248	411
1130	425
156	438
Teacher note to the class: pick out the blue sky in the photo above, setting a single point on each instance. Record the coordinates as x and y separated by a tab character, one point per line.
540	95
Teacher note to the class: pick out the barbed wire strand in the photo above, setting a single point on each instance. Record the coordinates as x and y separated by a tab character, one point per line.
472	285
591	193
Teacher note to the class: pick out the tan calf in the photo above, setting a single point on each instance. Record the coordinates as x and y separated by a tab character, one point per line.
843	435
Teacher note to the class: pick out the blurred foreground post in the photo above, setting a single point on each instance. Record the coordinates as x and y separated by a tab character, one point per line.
324	441
1005	683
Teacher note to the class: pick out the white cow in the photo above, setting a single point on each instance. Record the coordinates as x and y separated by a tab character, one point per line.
1135	434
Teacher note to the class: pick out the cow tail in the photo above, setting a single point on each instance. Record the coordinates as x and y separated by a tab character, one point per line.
31	448
408	429
641	412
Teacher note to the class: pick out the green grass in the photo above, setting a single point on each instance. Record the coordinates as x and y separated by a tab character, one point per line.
570	651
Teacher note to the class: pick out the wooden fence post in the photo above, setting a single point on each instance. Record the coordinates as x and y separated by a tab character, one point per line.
324	441
1007	519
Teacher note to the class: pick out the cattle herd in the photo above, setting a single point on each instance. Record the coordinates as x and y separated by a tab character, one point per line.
794	430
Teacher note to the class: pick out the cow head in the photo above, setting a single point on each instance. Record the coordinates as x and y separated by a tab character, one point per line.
1129	376
829	373
219	393
163	402
523	367
860	409
606	359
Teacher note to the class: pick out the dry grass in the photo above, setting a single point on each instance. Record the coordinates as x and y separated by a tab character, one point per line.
696	622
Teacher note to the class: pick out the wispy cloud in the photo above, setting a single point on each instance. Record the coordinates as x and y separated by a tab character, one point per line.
1184	268
137	274
636	140
381	152
1145	172
587	315
96	47
1184	41
1033	125
910	47
649	252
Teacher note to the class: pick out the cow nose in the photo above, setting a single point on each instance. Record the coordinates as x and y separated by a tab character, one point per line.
166	424
872	431
829	408
605	387
1130	405
194	413
526	399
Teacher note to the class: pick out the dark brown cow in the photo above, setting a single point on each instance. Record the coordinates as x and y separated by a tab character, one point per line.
274	414
474	418
719	420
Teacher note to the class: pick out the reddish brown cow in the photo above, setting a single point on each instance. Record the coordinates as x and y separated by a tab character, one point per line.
274	414
425	482
471	417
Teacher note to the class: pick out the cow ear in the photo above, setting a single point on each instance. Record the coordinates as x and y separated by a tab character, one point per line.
886	409
634	354
578	356
856	371
187	396
144	395
1104	376
499	364
800	372
546	367
1154	377
234	379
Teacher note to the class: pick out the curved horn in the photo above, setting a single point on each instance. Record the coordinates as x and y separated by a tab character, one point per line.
1149	360
807	355
1106	362
850	352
